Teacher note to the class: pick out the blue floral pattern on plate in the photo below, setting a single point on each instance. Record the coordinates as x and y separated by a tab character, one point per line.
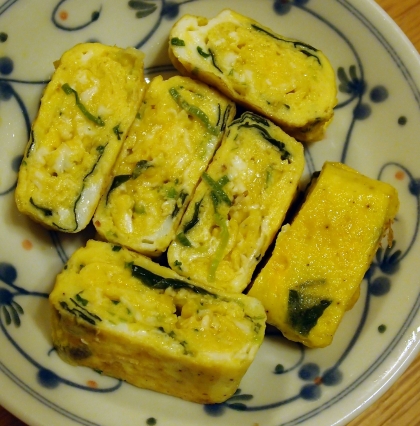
315	381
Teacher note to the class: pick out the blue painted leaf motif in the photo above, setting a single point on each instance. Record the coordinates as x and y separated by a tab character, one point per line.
6	315
235	403
6	65
10	309
279	369
310	392
170	10
414	187
6	91
8	274
215	410
238	406
241	397
379	286
388	259
309	371
48	378
282	7
332	377
144	8
351	84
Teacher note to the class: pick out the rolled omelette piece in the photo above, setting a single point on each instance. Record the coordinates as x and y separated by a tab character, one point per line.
239	205
120	313
178	128
314	274
83	119
286	80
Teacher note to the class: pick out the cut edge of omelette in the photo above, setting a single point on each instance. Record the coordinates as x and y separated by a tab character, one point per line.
118	312
315	271
239	205
288	81
180	124
85	112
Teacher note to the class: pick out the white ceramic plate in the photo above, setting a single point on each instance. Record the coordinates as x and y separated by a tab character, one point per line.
376	130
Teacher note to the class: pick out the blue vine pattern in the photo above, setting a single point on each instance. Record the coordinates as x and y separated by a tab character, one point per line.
387	262
93	17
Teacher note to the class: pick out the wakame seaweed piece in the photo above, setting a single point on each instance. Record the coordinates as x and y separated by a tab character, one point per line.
248	115
182	197
213	61
68	91
304	311
47	212
285	155
206	55
297	44
116	182
80	312
141	166
158	282
194	110
100	150
195	218
225	118
120	179
81	300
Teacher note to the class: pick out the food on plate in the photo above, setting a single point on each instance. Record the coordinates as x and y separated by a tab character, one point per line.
287	80
179	126
85	113
119	312
239	204
165	164
320	259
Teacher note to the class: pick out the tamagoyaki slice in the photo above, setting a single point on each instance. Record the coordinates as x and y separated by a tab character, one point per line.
239	205
124	315
178	128
84	116
315	271
289	81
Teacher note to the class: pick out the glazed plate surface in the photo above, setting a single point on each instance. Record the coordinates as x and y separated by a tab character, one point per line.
375	130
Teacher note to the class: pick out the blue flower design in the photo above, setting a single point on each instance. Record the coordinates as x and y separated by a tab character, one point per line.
142	8
351	83
6	65
414	187
10	309
6	68
388	259
312	372
388	262
48	378
281	7
235	402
